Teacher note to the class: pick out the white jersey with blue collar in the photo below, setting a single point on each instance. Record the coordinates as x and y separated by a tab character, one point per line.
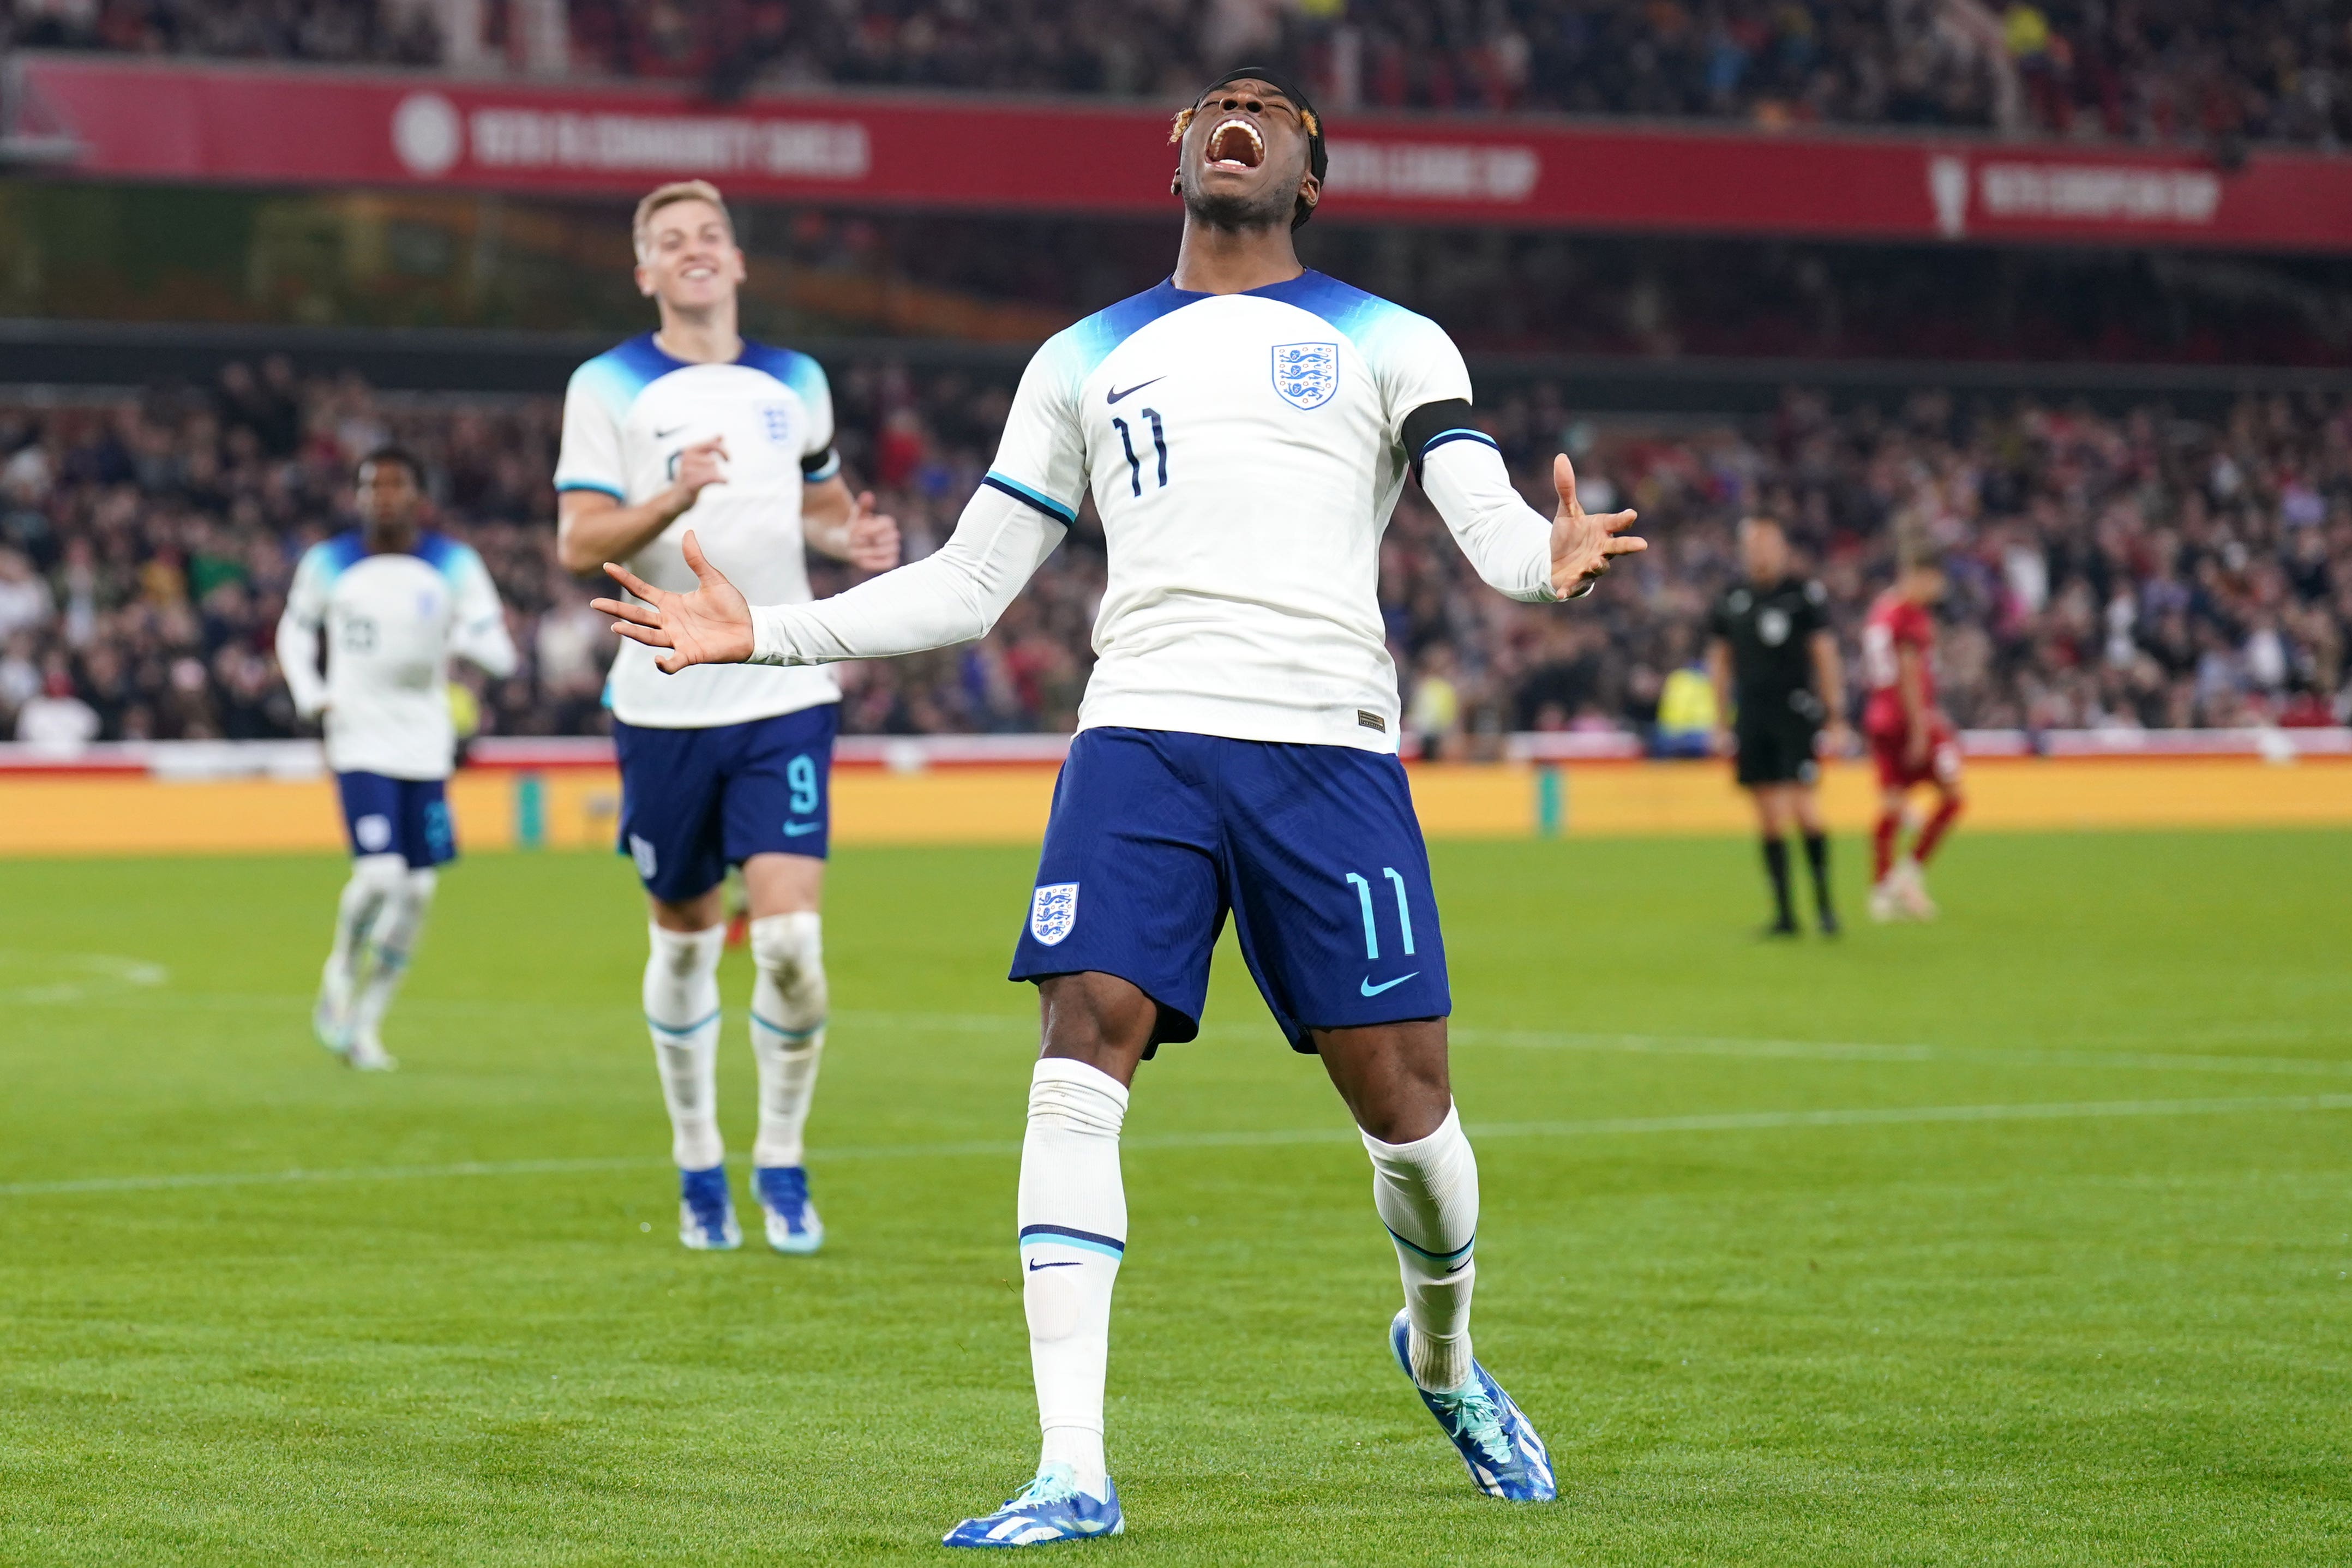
628	415
391	619
1245	452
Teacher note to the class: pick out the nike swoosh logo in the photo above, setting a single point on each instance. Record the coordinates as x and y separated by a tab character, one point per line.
1136	388
666	434
1371	989
1035	1265
798	830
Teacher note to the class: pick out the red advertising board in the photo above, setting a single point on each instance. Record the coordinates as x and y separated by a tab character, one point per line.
117	118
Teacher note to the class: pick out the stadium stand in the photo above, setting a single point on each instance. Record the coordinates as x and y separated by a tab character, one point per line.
2168	71
2140	569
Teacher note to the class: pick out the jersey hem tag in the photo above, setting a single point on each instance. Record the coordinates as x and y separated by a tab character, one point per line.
1367	719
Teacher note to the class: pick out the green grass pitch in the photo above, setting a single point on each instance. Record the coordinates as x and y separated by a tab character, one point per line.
2020	1239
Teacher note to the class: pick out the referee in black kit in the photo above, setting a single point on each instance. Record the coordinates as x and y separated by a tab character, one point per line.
1774	660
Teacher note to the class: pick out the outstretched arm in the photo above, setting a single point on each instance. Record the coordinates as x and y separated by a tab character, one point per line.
952	596
1508	541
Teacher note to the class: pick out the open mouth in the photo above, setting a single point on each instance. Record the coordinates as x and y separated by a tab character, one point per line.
1234	144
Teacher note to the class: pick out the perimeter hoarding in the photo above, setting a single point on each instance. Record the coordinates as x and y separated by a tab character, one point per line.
127	118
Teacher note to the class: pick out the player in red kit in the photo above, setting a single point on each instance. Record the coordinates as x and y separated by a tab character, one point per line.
1910	739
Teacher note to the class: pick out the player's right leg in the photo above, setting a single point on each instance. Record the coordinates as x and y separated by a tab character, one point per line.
1773	812
669	827
369	908
426	842
1124	916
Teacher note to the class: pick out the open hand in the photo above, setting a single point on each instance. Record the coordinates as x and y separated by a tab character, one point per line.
1584	543
872	537
712	625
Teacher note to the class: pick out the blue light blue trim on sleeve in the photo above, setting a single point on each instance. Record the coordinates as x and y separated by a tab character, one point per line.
335	556
596	485
1061	514
1442	437
824	470
795	370
1362	316
616	376
1087	343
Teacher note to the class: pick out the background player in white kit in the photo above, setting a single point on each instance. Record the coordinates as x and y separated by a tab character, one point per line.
1244	429
394	601
694	425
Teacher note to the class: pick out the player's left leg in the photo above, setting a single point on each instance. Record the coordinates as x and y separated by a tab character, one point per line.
789	999
1951	798
1425	1189
1337	919
776	816
1805	800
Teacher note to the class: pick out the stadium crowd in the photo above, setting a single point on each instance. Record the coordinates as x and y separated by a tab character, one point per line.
2146	570
2205	70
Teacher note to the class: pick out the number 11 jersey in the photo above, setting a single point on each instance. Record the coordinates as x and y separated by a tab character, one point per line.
1245	452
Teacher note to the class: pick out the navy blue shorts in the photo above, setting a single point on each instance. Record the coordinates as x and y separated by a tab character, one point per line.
1314	849
695	801
404	817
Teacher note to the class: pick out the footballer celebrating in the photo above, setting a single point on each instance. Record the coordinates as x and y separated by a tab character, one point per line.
395	599
1911	741
692	426
1244	429
1774	662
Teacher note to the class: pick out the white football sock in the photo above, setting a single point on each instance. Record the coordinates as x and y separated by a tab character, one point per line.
1073	1218
374	880
788	1003
390	940
682	1013
1427	1194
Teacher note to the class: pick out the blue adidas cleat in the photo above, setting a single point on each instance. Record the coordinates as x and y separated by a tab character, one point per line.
1048	1510
1499	1445
792	1224
706	1216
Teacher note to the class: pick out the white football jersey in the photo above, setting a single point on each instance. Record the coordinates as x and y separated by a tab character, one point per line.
390	622
626	416
1245	452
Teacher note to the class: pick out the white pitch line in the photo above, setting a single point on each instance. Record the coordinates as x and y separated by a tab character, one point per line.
1726	1121
1762	1050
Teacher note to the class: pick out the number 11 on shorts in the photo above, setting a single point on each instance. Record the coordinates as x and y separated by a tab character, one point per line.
1371	928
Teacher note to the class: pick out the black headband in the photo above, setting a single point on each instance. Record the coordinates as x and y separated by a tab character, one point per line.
1318	158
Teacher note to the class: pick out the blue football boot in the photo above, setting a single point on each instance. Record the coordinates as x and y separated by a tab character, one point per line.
706	1216
1506	1459
1048	1510
792	1224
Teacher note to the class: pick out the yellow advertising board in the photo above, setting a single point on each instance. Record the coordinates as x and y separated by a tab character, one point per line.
53	814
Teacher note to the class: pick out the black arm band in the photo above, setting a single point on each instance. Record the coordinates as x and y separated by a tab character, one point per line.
1433	425
822	464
